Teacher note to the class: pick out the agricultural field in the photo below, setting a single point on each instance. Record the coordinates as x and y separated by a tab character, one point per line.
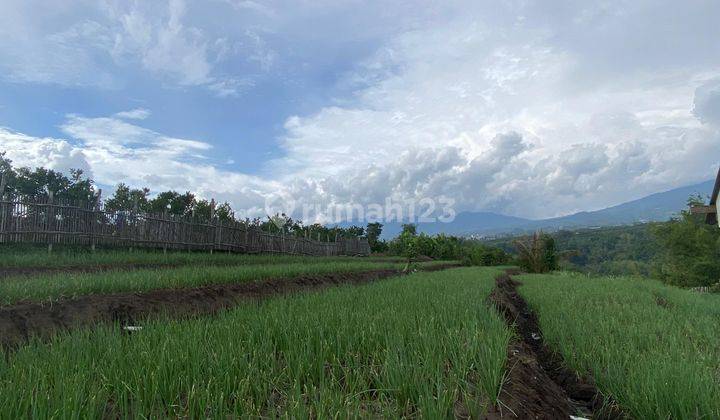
216	336
32	259
46	287
422	345
652	348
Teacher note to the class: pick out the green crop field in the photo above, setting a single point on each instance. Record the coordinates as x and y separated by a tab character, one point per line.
421	345
68	284
26	256
655	349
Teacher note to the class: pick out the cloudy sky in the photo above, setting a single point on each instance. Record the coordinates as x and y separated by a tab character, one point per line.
528	108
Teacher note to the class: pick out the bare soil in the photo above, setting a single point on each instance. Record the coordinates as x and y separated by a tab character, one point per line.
539	385
21	321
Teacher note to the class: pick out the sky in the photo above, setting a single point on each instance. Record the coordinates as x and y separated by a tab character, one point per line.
526	108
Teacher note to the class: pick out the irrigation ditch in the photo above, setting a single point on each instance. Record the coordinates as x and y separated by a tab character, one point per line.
538	383
19	322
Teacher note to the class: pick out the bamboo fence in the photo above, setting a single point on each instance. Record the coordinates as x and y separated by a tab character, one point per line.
54	222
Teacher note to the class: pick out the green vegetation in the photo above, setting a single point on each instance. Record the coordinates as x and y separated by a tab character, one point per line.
683	252
617	250
690	251
537	253
655	349
424	345
410	244
50	287
34	256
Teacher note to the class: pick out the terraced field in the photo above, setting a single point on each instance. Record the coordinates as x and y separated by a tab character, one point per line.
420	345
296	337
653	349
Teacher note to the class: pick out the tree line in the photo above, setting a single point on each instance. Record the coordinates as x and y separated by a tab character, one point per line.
76	188
684	251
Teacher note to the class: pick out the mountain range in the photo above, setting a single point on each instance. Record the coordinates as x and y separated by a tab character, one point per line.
655	207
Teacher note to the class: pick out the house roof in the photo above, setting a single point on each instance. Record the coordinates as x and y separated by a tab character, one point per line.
712	218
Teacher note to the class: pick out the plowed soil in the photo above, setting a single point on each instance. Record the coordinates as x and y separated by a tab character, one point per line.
21	321
539	386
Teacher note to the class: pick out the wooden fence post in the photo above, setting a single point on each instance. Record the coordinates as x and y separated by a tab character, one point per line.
213	225
3	211
50	215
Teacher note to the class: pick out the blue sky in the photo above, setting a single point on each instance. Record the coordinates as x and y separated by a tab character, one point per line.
528	108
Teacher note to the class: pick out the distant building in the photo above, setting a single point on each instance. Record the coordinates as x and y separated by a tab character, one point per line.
710	210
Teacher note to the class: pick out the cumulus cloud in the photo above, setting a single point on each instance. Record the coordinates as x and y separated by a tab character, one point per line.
528	108
51	153
111	151
524	125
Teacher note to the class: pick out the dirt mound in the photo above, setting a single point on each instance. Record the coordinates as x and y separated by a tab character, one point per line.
539	385
21	321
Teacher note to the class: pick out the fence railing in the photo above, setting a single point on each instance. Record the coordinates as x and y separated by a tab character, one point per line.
53	222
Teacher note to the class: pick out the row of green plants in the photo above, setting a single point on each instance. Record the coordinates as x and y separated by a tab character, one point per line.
422	346
70	258
653	348
48	287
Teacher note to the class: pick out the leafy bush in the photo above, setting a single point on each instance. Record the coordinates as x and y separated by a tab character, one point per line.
690	255
485	256
537	253
410	244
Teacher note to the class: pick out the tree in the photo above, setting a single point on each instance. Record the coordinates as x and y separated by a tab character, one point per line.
173	203
374	230
126	199
409	228
690	254
80	189
8	173
537	253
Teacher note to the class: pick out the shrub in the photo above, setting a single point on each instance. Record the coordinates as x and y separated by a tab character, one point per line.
537	253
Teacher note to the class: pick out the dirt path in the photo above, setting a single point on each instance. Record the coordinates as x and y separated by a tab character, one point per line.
21	321
539	386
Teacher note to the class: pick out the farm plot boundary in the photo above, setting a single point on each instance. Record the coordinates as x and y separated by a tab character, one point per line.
21	322
539	385
56	222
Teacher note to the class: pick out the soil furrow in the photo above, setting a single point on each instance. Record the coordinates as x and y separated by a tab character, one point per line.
19	322
538	384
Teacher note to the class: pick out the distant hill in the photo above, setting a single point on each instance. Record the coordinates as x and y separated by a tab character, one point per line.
655	207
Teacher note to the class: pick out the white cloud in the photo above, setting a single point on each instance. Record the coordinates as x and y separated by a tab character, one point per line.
134	114
527	128
529	108
103	40
111	151
51	153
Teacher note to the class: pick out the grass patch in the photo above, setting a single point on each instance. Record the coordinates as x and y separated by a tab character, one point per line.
655	349
422	345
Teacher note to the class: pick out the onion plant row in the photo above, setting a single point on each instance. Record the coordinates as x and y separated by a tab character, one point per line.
655	349
13	256
68	285
421	345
